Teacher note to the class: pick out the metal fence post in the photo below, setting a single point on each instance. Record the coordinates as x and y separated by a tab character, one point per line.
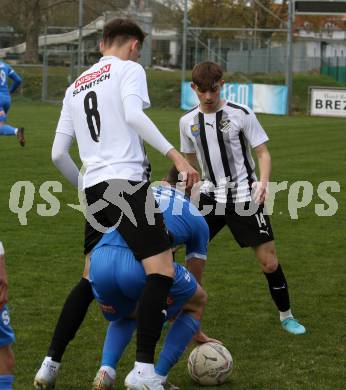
44	94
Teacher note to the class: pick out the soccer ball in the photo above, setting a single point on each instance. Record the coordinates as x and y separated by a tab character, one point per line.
210	364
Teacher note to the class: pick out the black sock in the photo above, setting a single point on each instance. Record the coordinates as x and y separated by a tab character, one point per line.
278	288
71	318
151	316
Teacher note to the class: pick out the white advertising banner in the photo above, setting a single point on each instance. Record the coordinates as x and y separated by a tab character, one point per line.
328	101
268	99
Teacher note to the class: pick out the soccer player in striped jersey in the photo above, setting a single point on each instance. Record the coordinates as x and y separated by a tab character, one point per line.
6	332
7	72
218	135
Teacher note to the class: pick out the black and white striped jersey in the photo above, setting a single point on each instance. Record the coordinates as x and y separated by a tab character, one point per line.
222	142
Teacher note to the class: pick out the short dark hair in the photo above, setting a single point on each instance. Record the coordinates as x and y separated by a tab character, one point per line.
206	74
119	31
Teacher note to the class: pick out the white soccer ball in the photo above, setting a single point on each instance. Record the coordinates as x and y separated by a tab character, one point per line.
210	364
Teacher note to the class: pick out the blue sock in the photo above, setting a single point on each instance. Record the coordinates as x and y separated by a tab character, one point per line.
6	382
118	336
7	130
178	337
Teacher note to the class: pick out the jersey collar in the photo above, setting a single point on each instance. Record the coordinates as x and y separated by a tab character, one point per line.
106	58
211	113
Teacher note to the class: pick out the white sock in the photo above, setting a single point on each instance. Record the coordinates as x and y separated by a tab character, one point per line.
48	360
109	370
163	378
145	369
16	131
285	314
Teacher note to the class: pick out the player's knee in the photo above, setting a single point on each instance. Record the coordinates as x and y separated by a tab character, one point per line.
266	255
269	264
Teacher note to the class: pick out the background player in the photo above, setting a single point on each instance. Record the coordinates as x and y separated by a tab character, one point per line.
187	227
6	332
117	280
7	72
218	136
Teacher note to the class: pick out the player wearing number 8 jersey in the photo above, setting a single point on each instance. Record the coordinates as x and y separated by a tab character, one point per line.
218	136
103	110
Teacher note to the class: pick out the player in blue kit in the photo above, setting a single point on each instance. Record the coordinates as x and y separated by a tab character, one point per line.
117	280
7	72
186	226
6	332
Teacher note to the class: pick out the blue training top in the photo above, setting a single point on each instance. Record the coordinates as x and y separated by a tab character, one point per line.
7	72
183	220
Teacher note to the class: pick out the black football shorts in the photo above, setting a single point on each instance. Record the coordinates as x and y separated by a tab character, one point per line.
125	205
247	221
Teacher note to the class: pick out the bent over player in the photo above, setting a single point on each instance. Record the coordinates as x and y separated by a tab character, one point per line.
187	227
103	109
6	332
117	280
218	136
7	72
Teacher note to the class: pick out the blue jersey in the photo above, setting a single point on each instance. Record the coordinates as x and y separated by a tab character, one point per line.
6	332
7	72
118	279
183	220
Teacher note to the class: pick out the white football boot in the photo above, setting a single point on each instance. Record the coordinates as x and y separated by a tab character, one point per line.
46	376
135	380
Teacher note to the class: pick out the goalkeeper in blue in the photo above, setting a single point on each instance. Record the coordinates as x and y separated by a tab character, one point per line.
6	73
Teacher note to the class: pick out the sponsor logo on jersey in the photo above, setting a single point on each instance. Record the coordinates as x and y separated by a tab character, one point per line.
91	84
195	130
108	308
92	76
225	125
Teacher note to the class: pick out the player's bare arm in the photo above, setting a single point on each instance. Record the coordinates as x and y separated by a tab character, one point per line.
264	164
3	281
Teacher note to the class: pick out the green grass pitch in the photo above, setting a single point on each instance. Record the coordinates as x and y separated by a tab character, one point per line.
44	260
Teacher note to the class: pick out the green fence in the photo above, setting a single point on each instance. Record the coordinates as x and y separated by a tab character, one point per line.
335	67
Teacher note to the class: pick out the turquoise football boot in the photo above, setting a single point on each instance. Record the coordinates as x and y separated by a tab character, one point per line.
291	325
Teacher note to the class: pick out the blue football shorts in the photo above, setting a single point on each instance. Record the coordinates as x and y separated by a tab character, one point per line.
6	331
118	279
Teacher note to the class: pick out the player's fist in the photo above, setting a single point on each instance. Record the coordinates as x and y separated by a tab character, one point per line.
187	173
260	191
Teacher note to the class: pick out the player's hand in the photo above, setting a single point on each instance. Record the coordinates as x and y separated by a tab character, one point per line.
3	283
188	174
201	338
261	192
